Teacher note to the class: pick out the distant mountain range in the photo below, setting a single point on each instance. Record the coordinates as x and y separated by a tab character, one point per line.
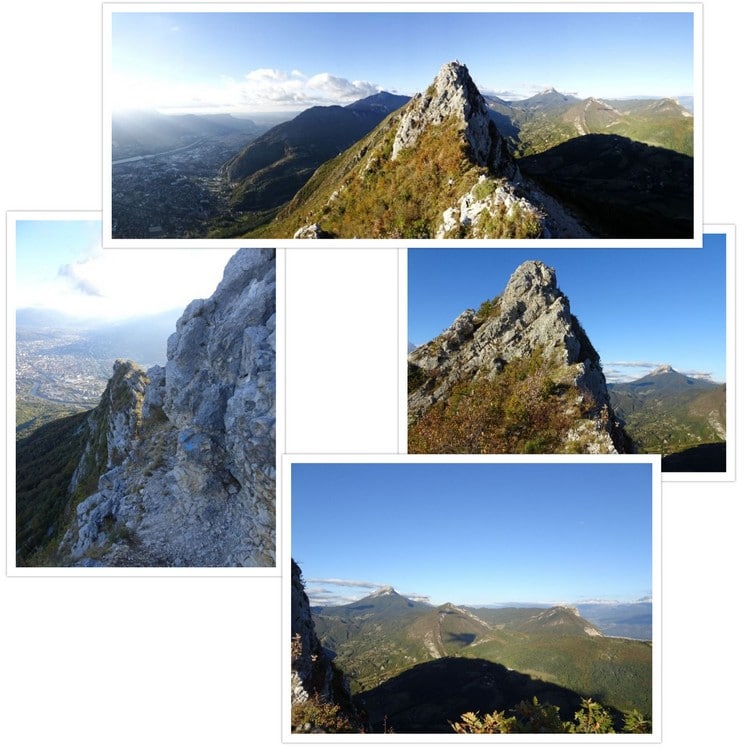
549	118
682	417
414	665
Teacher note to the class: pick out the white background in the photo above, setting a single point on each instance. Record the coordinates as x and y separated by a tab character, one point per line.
197	662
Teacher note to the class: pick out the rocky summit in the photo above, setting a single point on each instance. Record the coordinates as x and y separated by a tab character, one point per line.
528	344
436	168
453	94
178	467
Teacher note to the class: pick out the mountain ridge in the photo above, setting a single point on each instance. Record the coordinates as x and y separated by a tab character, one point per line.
459	165
438	167
546	119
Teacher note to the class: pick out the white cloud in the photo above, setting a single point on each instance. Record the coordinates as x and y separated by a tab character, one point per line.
698	374
623	372
347	582
123	283
424	598
337	591
84	286
260	90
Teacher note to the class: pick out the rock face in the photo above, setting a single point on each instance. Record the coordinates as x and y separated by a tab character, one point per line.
312	672
314	677
453	94
113	424
531	316
182	459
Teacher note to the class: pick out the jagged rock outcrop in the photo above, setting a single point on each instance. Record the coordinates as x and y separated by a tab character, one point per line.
530	318
189	473
312	671
310	232
113	423
489	197
320	696
111	427
453	94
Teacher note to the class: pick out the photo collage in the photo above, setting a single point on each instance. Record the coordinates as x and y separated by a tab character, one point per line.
373	368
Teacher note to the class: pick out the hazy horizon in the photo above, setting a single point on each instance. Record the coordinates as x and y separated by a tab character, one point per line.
322	592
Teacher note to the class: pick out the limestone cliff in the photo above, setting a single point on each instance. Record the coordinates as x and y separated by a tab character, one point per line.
531	319
320	696
312	671
179	465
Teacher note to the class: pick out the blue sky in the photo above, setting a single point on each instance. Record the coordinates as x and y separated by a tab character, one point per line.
220	61
60	265
474	533
640	307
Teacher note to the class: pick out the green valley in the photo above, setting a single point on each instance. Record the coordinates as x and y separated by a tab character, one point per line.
415	666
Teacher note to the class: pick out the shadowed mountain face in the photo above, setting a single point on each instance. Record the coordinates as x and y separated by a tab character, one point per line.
702	458
51	454
428	696
272	168
682	417
621	188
